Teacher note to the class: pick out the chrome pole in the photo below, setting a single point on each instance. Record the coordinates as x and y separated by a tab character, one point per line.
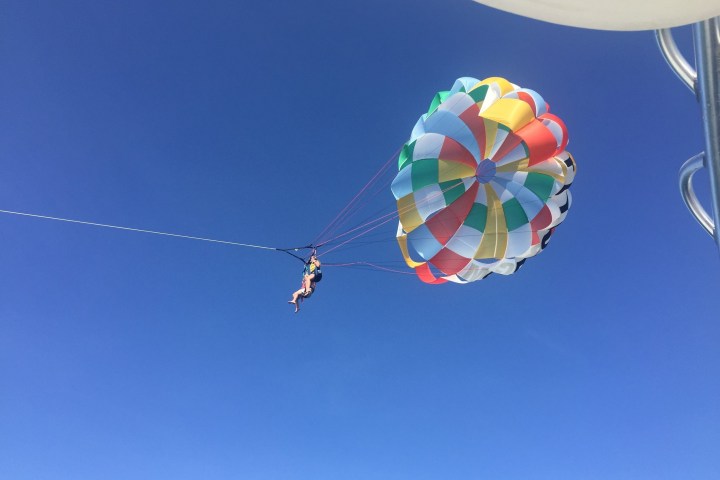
707	63
688	193
675	59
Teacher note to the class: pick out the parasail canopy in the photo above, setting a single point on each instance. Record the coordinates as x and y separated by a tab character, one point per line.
482	182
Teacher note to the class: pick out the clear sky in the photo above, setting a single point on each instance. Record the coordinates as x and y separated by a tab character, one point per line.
133	356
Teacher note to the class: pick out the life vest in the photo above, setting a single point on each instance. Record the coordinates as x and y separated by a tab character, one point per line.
311	268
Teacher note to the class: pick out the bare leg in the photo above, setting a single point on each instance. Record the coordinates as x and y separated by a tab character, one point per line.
307	280
294	300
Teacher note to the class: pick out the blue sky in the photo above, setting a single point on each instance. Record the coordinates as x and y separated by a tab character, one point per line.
128	355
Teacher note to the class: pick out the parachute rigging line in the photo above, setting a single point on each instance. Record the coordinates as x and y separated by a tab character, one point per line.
153	232
348	210
369	265
382	220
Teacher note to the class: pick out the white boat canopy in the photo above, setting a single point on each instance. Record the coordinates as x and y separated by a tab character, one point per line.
612	14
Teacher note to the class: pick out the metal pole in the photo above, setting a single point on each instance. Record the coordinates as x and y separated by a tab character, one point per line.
707	63
688	193
675	59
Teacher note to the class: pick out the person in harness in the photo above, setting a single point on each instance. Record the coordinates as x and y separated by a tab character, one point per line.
312	274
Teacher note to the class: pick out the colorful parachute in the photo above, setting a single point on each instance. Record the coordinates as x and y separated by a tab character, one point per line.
482	182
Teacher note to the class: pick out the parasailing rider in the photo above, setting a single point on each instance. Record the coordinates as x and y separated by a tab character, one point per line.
312	274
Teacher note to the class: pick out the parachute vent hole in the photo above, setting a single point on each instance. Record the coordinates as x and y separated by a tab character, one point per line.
485	171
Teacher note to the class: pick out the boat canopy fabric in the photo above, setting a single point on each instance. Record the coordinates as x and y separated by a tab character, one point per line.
612	14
